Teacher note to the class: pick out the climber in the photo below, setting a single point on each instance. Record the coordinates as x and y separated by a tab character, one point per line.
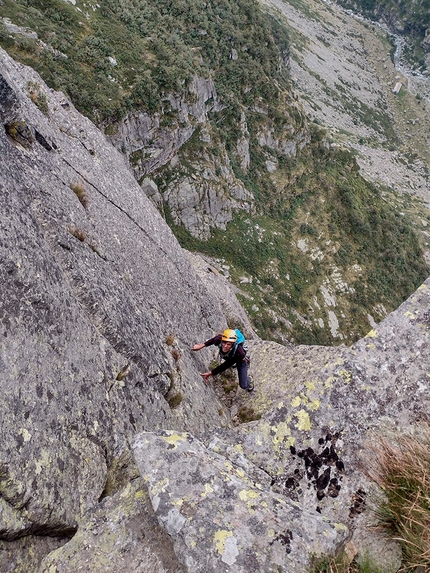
233	353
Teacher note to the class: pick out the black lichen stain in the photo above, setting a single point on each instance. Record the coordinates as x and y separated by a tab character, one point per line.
358	503
426	319
284	538
322	469
333	488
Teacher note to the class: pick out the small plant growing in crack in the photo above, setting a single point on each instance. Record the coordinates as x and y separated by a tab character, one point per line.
37	96
123	372
96	250
175	400
81	193
247	414
170	339
78	233
176	354
173	396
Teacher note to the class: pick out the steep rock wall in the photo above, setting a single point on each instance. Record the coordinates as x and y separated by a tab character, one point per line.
98	304
149	145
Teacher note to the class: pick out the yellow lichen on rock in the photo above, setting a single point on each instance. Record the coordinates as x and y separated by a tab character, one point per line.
304	422
282	431
174	439
44	461
220	538
248	494
311	385
346	375
314	405
208	489
159	486
340	527
25	434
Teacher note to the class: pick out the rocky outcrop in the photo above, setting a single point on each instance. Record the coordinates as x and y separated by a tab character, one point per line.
217	515
148	143
271	492
207	201
199	185
322	407
202	204
120	533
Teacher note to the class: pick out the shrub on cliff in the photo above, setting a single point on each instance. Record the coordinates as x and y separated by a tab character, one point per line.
114	56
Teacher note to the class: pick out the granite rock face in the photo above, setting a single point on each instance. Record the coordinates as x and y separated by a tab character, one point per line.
121	533
323	410
99	307
217	516
149	145
268	494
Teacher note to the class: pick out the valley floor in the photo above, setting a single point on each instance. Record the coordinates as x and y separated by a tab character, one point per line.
343	73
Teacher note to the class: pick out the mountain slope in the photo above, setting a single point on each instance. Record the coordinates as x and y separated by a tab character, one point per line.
218	139
411	19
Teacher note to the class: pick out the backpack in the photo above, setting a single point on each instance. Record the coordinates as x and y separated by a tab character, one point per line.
240	340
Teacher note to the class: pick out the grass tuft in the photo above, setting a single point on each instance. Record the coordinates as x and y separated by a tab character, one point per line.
176	354
170	339
247	414
37	96
80	193
78	233
401	468
342	563
175	400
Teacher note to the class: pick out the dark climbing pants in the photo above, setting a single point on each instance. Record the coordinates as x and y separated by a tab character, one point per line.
242	371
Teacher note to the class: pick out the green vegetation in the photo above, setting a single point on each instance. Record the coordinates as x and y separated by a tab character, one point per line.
38	97
314	219
174	400
314	214
113	56
341	564
247	414
401	468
